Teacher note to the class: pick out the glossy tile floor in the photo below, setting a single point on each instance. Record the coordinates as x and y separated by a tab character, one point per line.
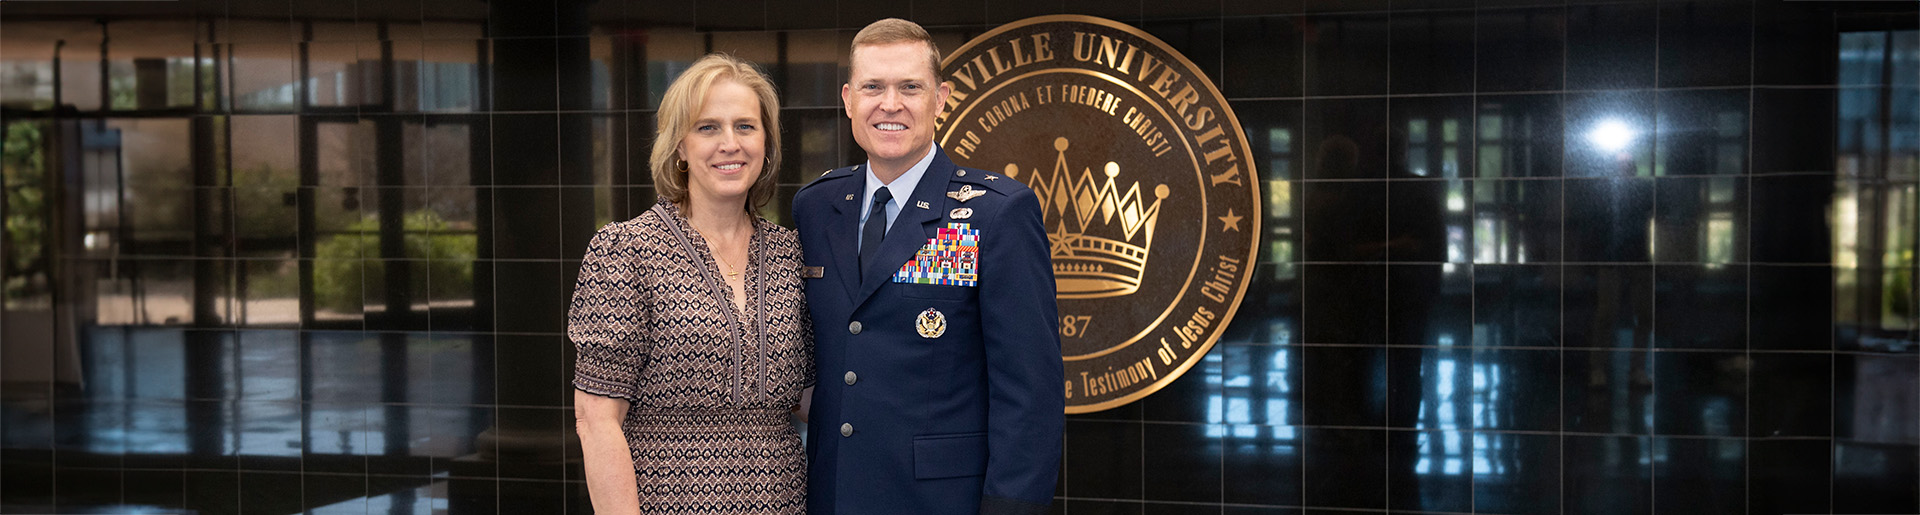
1519	256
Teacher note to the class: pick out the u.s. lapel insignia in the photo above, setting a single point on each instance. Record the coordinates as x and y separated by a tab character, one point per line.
922	205
966	193
960	213
931	324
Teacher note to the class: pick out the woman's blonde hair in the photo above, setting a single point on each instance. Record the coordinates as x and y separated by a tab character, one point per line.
681	107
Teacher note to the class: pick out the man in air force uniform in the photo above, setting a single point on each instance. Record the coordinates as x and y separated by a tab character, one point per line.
932	299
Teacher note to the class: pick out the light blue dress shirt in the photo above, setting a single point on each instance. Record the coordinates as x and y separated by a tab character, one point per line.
902	189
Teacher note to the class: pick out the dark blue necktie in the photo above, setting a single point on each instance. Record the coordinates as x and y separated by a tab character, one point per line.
876	227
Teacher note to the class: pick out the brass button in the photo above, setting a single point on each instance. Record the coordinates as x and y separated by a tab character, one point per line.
854	327
846	429
851	378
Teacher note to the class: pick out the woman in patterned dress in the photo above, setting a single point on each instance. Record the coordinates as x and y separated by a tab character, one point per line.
690	321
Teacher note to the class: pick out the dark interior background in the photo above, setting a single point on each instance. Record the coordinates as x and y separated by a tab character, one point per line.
1519	256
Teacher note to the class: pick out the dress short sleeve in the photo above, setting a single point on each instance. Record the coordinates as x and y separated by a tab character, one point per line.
607	318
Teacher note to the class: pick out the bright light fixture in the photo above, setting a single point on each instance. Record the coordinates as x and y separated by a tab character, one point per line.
1611	135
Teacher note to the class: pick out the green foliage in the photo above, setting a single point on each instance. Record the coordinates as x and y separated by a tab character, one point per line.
24	167
1899	291
259	201
122	94
348	264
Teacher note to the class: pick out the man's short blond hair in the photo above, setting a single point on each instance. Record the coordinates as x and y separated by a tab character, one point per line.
895	30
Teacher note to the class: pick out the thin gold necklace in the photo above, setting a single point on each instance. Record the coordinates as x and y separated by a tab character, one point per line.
731	271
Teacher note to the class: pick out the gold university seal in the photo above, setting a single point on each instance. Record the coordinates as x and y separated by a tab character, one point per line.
1150	196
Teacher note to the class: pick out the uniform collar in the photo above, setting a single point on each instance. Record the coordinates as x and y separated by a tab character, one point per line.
902	186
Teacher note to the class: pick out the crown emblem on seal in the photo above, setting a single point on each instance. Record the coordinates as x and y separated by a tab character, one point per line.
1101	236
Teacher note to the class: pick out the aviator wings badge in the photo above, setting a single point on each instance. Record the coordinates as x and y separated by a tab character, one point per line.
966	193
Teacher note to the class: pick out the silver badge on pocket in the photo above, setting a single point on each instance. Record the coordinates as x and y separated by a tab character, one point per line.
931	323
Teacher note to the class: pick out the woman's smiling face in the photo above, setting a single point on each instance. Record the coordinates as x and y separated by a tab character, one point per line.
727	148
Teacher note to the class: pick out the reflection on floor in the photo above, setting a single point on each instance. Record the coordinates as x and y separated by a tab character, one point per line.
426	500
321	422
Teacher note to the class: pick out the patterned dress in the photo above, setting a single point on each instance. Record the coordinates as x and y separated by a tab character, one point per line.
709	385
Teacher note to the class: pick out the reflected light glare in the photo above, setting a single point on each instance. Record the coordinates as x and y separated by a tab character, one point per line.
1611	135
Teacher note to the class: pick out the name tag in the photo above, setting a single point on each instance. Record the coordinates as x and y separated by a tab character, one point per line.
813	272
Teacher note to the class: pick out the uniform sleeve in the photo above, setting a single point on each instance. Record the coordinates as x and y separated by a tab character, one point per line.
606	320
1026	406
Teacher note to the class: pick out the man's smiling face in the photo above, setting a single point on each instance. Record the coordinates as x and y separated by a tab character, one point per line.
892	96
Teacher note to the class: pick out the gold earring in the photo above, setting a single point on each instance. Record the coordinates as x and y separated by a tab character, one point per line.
680	164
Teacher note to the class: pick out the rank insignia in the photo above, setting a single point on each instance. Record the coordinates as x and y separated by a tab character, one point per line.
960	213
966	193
930	323
951	258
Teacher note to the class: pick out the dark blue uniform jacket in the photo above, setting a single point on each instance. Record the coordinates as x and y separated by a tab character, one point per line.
966	422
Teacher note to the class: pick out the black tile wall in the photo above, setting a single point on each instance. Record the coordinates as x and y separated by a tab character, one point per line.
1705	43
1345	304
1347	54
1429	304
1789	476
1512	487
1267	56
1417	228
1611	46
1699	307
1534	409
1431	53
1520	50
1607	391
1517	305
1611	476
1346	138
1407	489
1609	219
1709	473
1420	385
1782	118
1345	387
1520	256
1517	135
1110	454
1347	467
1186	460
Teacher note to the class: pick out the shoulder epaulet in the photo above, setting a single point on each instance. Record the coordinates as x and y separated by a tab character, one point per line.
829	176
995	182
